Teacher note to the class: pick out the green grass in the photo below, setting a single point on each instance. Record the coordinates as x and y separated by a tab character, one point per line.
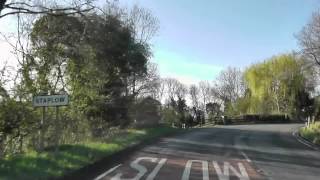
33	165
312	133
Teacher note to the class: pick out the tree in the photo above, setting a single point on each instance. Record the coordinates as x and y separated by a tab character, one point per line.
276	86
309	38
160	90
204	89
194	95
96	57
175	89
176	93
230	84
39	7
147	84
143	24
213	110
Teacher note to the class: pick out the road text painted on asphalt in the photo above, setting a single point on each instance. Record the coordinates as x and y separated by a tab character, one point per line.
222	171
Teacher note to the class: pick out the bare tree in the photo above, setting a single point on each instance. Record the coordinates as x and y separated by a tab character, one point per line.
230	85
143	24
175	89
158	91
309	38
147	85
11	7
204	87
194	95
141	21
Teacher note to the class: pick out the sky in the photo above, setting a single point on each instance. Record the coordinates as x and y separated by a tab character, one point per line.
198	39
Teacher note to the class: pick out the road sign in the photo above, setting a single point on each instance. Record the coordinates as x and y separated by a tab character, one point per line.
52	100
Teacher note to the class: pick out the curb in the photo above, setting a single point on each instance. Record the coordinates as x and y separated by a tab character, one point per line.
305	141
92	170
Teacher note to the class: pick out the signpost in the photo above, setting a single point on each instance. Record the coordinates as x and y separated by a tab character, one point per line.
50	101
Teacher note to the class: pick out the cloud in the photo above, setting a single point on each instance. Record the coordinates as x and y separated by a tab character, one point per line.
187	80
185	69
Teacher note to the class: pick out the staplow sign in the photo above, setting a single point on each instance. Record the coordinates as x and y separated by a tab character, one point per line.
52	100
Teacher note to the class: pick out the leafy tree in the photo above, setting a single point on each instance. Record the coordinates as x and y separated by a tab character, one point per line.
101	59
275	85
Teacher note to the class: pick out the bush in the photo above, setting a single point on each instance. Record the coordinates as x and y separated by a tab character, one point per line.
258	118
312	133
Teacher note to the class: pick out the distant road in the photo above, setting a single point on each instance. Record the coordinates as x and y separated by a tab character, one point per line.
225	152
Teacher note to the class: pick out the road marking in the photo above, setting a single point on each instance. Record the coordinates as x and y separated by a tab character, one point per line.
107	172
245	156
135	165
223	173
187	170
243	175
155	171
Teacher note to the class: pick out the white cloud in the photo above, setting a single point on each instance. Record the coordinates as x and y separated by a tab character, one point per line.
185	69
187	80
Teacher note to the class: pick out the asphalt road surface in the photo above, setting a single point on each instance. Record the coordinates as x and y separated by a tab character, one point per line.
225	152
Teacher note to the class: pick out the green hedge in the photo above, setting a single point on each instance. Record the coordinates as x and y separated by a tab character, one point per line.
258	118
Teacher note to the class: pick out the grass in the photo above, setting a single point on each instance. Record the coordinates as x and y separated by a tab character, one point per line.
312	133
45	165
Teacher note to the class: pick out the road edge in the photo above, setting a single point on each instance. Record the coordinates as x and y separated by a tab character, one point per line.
99	167
305	141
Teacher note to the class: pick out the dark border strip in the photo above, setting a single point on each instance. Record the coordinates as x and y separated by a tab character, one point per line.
305	141
91	171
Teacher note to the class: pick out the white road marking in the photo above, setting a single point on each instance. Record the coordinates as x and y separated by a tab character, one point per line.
155	171
242	175
222	176
205	169
142	170
245	156
107	172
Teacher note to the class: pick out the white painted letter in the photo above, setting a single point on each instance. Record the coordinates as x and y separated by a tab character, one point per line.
155	171
142	170
187	170
242	175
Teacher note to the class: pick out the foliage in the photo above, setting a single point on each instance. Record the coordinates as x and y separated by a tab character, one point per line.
48	164
146	112
17	120
275	85
100	59
213	111
312	133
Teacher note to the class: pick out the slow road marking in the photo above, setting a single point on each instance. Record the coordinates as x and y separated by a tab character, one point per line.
151	168
107	172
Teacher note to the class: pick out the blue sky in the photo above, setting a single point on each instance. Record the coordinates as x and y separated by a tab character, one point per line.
198	39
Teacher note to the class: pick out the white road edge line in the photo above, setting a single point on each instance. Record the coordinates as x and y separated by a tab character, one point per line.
245	156
107	172
303	142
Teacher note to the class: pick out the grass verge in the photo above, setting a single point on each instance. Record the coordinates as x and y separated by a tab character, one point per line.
45	165
312	133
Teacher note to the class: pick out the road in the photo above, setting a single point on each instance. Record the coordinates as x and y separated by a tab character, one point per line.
224	152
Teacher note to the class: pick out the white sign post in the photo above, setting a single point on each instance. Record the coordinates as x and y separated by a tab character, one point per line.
47	101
